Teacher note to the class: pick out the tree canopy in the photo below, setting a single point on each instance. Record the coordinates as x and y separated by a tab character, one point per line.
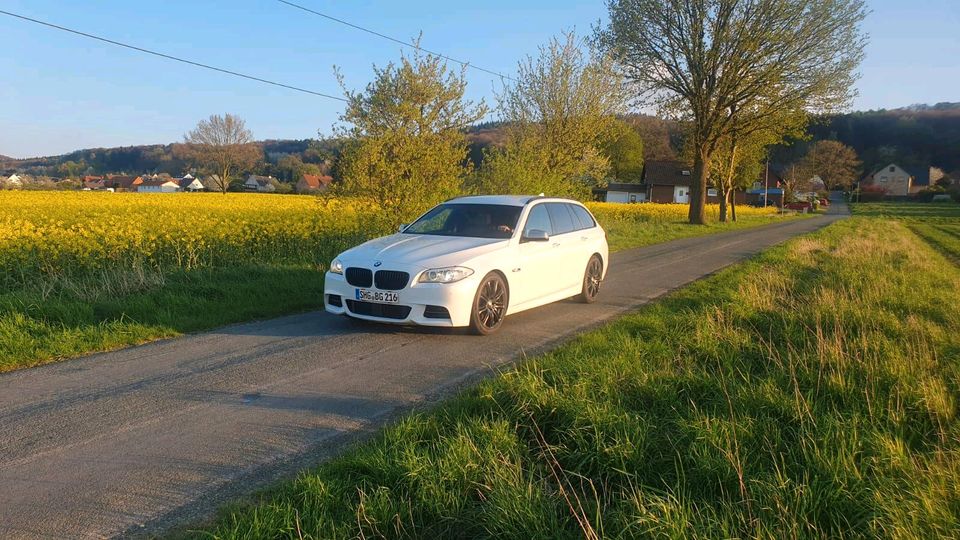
727	66
557	113
222	146
406	148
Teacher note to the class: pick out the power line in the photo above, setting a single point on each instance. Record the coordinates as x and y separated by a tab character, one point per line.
393	39
169	57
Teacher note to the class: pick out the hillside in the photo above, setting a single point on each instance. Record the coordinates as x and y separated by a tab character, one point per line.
913	136
152	158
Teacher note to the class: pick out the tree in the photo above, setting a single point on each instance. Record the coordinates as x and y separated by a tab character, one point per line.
796	177
835	163
292	168
406	147
730	66
72	169
624	150
557	114
222	145
736	161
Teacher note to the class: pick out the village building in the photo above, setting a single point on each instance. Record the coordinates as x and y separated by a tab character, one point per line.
262	184
189	183
123	183
891	179
312	183
158	186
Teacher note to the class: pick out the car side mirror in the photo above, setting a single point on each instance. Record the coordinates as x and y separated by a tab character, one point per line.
403	227
536	235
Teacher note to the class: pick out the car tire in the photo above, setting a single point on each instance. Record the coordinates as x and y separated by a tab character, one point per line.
592	277
489	306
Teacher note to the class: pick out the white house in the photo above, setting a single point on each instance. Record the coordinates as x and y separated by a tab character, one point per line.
158	186
189	183
14	181
892	179
263	184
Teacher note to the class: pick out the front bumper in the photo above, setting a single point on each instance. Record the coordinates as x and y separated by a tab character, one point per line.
421	298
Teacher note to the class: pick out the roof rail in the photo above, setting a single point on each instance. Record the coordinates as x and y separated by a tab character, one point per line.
535	198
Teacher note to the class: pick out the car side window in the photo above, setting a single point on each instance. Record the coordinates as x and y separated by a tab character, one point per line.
561	218
586	220
538	219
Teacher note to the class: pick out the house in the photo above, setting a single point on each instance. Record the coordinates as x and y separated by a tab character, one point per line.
189	183
123	183
92	182
262	184
212	182
313	183
158	186
624	193
14	181
670	182
924	177
891	179
667	181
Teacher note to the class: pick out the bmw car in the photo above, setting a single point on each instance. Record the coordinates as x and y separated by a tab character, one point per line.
471	262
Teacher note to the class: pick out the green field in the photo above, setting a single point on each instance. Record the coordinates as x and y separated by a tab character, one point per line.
811	392
84	272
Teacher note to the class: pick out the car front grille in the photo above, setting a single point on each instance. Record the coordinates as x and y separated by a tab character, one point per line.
372	309
391	280
359	277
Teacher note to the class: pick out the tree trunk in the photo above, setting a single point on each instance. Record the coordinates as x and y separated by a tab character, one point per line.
723	206
224	183
698	189
733	205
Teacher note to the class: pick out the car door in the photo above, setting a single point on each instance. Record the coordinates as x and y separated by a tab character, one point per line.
530	276
565	240
589	235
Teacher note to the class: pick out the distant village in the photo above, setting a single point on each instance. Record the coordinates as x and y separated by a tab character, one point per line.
661	181
165	183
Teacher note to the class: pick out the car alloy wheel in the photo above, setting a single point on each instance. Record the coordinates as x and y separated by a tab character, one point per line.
591	280
489	305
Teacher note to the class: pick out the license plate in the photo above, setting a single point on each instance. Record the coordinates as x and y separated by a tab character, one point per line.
381	297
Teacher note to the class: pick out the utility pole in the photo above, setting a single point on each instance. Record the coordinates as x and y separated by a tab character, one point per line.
766	184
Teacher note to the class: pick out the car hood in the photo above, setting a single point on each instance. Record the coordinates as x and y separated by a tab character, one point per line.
421	250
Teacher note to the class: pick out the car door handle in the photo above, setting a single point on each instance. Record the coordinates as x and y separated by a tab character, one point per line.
584	237
555	244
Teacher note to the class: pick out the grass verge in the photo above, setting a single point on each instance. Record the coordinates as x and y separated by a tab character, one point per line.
67	317
811	392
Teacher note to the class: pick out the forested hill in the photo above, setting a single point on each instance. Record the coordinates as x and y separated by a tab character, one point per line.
153	158
913	137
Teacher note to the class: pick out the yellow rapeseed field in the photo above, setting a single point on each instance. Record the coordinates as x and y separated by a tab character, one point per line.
665	213
77	232
73	233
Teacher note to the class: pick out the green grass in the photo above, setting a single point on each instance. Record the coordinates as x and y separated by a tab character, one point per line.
622	236
63	316
811	392
908	210
71	316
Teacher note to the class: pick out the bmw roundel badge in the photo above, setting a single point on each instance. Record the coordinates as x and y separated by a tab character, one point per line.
377	263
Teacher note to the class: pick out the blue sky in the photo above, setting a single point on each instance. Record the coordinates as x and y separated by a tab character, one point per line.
62	92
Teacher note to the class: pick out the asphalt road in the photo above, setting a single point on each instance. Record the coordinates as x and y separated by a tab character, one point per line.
131	442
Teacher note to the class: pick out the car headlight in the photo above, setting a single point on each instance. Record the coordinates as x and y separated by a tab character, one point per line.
449	274
336	266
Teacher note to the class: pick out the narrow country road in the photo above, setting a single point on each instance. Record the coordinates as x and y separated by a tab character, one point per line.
131	442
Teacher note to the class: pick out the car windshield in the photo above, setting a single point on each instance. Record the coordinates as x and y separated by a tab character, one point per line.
473	220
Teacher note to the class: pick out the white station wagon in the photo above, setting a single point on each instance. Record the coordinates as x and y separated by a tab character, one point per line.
471	262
